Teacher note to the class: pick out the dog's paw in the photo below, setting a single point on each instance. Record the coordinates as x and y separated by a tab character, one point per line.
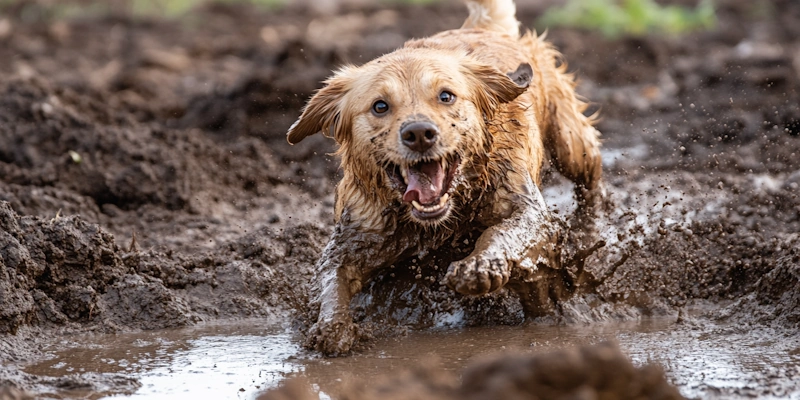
476	275
332	337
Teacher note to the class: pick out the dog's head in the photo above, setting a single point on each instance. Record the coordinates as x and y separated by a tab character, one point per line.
407	121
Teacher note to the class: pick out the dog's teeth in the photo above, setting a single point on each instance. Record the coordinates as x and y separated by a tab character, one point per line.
404	173
433	208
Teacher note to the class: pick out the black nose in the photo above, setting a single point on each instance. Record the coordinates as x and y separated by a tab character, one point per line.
419	136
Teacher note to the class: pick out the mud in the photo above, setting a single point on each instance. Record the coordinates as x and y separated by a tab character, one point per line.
146	182
226	359
600	372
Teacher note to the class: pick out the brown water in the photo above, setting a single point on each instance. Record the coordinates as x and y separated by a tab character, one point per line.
239	360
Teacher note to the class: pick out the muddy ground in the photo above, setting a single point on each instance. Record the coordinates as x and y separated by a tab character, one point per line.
598	372
146	183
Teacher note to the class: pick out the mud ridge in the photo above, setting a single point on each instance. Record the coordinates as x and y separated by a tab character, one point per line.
66	272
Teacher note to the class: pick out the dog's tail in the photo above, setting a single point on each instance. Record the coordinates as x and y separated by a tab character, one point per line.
493	15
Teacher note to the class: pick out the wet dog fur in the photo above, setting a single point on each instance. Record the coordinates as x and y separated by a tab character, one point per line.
447	134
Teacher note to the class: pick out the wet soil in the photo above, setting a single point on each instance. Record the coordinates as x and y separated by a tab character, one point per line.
243	358
146	183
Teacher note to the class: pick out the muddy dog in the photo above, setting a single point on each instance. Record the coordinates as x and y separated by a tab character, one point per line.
444	135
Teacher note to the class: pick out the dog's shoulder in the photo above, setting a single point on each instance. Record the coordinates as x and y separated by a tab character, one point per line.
489	47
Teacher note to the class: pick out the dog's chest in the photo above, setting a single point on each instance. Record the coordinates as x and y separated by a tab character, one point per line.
436	252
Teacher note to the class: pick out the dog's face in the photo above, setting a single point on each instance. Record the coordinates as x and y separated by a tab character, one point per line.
408	121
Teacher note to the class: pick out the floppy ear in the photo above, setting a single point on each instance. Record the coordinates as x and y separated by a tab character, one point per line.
495	87
323	113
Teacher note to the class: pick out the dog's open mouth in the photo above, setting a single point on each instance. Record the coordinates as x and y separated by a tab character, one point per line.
425	185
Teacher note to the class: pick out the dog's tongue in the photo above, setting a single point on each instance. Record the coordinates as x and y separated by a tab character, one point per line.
425	182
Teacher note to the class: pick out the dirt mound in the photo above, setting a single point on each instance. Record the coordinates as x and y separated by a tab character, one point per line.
70	141
693	261
16	385
65	271
775	299
597	372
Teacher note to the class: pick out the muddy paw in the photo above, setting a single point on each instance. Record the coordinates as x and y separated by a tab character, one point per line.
476	275
332	337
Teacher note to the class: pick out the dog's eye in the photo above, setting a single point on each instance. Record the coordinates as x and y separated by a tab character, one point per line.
380	107
447	97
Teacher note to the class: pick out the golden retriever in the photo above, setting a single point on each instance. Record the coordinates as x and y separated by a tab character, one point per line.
441	136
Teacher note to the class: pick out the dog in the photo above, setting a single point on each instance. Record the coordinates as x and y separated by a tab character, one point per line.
445	135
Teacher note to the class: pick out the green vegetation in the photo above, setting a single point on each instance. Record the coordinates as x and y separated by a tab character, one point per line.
49	9
632	17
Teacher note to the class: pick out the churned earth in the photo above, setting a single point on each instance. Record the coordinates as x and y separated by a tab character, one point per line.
152	213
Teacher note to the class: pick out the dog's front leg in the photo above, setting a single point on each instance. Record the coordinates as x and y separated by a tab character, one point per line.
349	258
521	235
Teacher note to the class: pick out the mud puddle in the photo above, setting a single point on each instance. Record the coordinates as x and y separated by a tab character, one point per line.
242	359
215	361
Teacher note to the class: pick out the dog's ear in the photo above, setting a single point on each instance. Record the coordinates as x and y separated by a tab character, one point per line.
324	111
495	87
522	76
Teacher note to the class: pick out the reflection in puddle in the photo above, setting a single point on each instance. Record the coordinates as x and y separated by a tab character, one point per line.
213	362
221	367
237	361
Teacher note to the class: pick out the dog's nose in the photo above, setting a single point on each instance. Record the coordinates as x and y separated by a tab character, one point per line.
419	136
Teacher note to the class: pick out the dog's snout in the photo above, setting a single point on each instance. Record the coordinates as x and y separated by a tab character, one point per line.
419	136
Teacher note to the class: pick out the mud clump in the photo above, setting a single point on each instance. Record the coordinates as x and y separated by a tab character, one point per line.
64	270
17	385
774	300
67	272
699	253
597	372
